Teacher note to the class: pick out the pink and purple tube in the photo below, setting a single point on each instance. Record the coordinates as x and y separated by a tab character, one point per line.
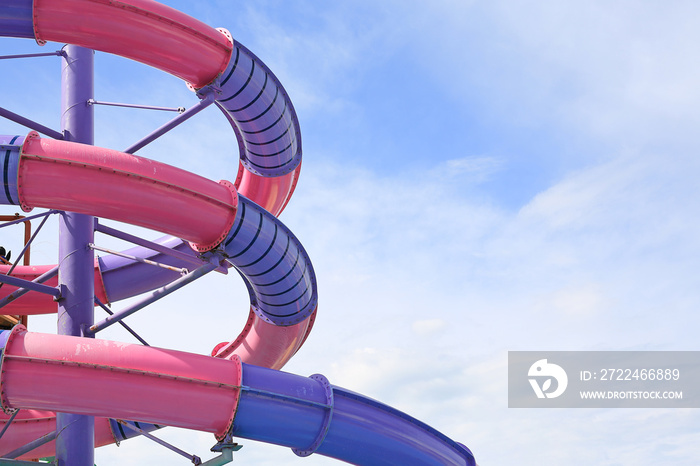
239	389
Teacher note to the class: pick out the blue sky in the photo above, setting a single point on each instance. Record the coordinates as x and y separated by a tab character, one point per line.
478	177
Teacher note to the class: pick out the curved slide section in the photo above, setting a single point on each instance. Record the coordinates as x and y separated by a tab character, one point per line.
255	103
88	179
236	226
150	384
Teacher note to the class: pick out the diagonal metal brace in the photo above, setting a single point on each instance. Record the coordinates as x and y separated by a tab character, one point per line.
138	106
27	246
31	217
22	291
147	244
153	297
34	444
179	270
19	119
122	323
57	53
196	460
8	422
206	101
30	285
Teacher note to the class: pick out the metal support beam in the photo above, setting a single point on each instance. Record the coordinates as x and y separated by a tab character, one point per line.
155	296
9	421
178	120
148	244
194	458
29	286
76	444
22	291
31	124
27	246
179	270
123	324
25	219
57	53
140	107
34	444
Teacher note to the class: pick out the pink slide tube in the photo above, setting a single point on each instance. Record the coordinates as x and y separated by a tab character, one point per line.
111	184
187	48
132	382
272	194
264	344
48	170
307	414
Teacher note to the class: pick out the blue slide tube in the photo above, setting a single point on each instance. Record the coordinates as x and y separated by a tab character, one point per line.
16	19
271	260
312	416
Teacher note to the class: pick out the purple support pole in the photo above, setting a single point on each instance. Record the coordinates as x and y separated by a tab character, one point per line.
75	445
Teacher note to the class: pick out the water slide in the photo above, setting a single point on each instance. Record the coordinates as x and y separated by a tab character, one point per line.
238	389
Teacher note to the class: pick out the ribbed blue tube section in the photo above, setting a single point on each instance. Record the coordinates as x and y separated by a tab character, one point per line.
9	165
261	114
274	264
271	260
290	410
16	18
271	399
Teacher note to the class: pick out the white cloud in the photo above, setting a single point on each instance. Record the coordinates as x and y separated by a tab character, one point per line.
428	327
473	168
